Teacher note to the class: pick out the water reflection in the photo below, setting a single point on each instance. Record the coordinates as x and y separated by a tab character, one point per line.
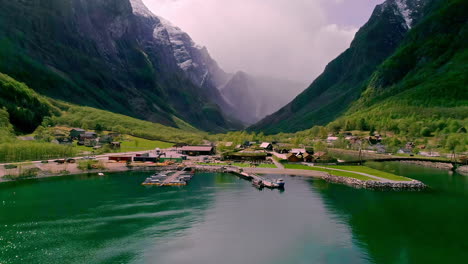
92	219
405	227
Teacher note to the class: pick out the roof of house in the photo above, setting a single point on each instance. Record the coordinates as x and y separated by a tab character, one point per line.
320	154
296	151
228	144
332	138
265	145
197	148
78	129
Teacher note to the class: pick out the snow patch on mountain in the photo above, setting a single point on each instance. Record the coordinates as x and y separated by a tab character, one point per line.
181	44
405	12
140	8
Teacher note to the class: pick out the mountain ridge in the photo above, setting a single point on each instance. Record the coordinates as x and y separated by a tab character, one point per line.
103	54
343	79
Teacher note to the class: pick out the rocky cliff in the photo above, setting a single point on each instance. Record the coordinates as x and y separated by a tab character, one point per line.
114	55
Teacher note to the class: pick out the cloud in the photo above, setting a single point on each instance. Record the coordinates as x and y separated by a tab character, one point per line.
278	38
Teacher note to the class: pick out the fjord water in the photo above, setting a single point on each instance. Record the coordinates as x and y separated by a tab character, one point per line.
220	218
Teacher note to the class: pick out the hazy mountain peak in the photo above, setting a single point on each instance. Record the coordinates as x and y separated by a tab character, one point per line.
139	8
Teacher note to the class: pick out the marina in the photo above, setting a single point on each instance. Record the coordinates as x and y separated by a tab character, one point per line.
170	178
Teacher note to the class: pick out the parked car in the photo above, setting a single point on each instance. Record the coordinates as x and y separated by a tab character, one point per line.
71	161
60	161
89	158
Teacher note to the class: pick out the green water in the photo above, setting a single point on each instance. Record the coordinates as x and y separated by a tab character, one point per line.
219	218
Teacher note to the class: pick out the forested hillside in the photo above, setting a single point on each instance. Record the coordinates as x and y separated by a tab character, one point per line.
423	87
22	111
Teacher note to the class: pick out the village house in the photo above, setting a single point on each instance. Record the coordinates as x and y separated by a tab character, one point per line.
75	133
282	150
309	158
88	139
293	157
266	146
198	150
228	144
298	151
320	155
331	139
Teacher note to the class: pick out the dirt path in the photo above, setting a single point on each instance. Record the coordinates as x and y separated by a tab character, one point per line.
277	164
360	173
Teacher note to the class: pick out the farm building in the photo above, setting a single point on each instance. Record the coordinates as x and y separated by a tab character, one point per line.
198	150
245	156
298	151
308	158
145	159
120	158
291	157
266	146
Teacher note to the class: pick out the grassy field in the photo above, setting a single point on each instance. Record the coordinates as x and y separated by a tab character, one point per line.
139	144
374	172
333	172
132	144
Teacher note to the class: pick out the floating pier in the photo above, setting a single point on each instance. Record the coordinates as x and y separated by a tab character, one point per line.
261	182
171	178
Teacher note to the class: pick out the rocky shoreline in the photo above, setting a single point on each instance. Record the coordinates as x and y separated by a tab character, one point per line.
463	170
413	185
376	185
437	165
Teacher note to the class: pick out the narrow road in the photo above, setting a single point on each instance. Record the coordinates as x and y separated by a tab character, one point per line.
277	164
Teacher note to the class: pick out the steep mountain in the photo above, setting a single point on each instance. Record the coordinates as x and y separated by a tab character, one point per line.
22	110
344	79
255	97
423	87
113	55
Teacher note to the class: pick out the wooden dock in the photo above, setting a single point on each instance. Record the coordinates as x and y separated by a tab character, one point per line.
173	180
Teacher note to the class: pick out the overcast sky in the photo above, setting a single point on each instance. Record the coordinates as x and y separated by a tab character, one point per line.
292	39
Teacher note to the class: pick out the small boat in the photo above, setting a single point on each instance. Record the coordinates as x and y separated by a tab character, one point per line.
150	182
258	183
280	183
100	174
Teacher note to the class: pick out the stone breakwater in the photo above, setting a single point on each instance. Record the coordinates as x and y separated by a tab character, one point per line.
437	165
463	170
376	185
